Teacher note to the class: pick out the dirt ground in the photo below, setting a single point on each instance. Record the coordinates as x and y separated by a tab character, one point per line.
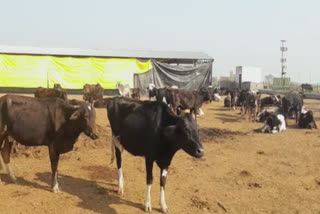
241	172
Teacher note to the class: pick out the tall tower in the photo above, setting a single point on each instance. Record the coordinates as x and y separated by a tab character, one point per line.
283	61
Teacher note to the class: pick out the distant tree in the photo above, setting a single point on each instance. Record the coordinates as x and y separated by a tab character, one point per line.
268	79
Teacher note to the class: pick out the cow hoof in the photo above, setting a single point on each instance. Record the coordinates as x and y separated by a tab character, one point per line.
165	209
120	191
14	180
148	207
56	189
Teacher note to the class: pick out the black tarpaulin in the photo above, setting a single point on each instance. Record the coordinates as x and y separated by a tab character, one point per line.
162	75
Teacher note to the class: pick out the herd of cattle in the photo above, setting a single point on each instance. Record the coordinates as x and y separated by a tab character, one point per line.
155	130
273	110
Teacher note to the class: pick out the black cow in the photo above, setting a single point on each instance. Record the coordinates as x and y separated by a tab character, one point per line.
272	100
292	102
151	130
52	122
274	124
265	113
306	87
306	120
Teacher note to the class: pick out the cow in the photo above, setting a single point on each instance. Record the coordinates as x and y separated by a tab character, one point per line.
266	112
251	105
161	94
274	124
50	122
92	92
306	87
151	91
193	100
231	99
306	120
151	130
292	102
136	93
58	87
124	89
76	102
272	100
50	92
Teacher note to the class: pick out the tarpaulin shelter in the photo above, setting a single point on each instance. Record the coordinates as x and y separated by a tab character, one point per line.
25	67
163	74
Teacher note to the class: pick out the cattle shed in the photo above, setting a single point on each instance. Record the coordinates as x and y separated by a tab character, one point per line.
25	68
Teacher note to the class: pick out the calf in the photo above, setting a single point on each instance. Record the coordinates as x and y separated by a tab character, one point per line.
135	93
92	92
151	130
292	102
306	120
48	122
274	124
50	92
265	113
124	89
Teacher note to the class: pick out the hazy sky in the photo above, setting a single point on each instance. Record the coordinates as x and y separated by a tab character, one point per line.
233	32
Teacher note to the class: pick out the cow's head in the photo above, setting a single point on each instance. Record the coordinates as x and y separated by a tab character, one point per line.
101	103
206	94
185	133
63	95
85	116
57	86
262	116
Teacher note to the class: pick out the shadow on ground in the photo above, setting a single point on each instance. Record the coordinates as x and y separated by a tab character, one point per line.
209	134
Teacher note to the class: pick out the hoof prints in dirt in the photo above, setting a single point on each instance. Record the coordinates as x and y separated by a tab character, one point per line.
209	134
254	185
245	173
200	204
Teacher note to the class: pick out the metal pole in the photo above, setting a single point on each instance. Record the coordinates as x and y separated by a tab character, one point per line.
283	60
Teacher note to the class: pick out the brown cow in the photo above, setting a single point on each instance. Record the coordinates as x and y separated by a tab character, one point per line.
50	92
92	92
251	105
136	93
48	122
58	87
192	100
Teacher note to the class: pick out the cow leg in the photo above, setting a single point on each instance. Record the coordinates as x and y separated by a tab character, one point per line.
2	137
5	153
298	113
120	175
163	178
54	159
149	167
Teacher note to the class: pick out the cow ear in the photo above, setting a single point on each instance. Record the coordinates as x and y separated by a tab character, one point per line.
169	131
75	115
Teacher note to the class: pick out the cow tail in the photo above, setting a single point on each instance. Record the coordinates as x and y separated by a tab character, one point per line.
112	151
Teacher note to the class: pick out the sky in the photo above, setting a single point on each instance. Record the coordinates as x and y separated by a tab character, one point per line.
233	32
